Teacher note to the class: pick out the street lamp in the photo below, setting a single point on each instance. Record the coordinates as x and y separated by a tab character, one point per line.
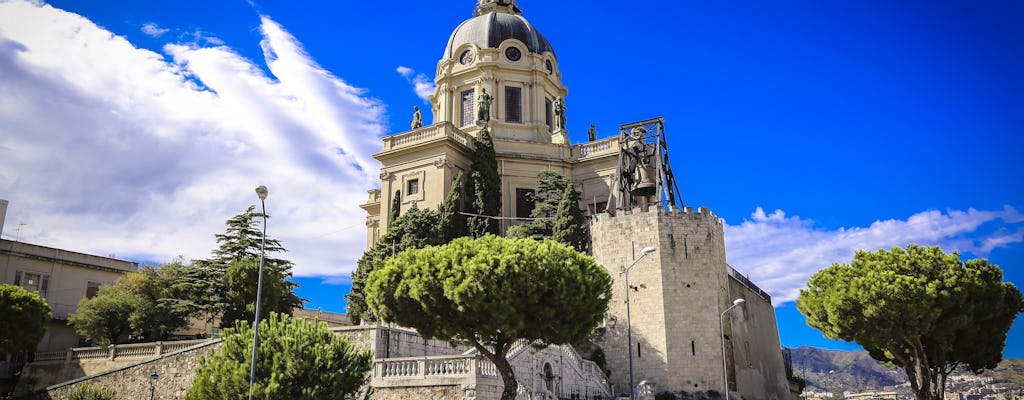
152	385
629	325
262	192
725	369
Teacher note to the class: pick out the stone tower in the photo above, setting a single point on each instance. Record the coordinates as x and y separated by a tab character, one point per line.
677	295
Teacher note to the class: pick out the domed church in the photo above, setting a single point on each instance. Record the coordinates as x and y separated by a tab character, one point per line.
497	70
686	323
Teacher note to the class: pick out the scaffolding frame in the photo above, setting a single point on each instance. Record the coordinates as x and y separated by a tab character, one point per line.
645	140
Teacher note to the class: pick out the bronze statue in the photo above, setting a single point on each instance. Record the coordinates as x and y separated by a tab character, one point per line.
417	118
484	112
592	133
560	113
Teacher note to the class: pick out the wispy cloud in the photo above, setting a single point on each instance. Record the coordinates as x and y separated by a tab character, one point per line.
423	86
781	252
109	148
153	30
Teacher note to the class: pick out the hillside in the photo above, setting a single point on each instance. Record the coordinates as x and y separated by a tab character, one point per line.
835	370
831	370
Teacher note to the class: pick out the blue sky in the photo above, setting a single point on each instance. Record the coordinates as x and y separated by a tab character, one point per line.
812	128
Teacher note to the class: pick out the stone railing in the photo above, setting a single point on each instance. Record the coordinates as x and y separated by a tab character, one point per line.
594	379
598	148
430	371
115	351
440	130
374	196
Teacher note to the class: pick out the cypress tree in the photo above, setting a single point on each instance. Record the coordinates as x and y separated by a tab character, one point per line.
569	225
486	184
396	208
453	224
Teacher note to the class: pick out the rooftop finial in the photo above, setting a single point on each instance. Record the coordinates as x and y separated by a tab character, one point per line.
487	6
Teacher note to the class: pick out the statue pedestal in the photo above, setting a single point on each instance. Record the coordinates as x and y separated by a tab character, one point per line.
560	136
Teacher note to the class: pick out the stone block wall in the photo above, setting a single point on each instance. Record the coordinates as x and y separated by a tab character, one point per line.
617	241
176	372
760	372
676	296
389	342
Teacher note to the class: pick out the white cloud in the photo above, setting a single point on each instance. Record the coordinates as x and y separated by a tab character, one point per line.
153	30
421	84
780	253
109	148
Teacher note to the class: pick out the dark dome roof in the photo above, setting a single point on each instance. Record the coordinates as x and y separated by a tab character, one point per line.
491	29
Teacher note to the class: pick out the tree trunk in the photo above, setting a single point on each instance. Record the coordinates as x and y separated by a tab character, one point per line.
508	376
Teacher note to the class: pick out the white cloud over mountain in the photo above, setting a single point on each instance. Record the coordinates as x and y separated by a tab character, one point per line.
780	253
112	148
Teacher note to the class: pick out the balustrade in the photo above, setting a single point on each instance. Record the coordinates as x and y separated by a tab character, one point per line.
114	352
428	133
598	148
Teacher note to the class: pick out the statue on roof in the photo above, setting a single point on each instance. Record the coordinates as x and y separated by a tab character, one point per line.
560	113
417	118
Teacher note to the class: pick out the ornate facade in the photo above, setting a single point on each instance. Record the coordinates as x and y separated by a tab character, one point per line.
499	53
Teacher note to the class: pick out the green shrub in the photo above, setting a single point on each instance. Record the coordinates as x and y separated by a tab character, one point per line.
90	392
665	396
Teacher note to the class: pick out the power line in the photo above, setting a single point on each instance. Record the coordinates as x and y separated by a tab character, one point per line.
512	218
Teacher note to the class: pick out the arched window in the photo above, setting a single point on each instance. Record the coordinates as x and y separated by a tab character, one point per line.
549	377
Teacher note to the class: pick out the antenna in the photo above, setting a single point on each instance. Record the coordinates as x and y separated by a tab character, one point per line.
17	232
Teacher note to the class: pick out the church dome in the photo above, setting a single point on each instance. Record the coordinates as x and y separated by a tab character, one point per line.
493	24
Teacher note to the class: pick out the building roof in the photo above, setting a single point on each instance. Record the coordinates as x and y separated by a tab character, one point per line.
493	25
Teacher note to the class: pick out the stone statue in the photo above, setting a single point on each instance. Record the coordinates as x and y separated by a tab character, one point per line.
592	133
417	118
484	111
560	113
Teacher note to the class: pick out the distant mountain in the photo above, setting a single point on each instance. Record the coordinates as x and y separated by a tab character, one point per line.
836	370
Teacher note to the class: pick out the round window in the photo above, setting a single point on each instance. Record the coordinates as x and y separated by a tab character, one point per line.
513	53
467	57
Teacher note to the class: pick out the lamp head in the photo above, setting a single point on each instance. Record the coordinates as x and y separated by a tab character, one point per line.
262	192
738	302
154	375
647	250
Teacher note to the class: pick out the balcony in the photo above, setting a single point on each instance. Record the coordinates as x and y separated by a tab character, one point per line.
596	149
438	131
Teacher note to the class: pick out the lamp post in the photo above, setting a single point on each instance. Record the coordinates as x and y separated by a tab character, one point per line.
152	385
725	368
262	192
629	325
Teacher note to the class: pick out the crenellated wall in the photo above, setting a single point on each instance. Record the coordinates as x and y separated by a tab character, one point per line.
676	298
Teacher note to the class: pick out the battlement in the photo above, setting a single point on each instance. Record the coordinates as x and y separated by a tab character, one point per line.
672	212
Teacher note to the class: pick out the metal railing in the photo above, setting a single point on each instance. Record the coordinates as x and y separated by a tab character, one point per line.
748	284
